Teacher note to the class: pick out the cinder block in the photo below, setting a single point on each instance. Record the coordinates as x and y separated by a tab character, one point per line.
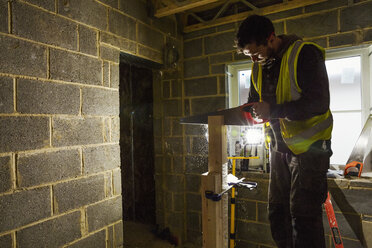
172	108
166	24
122	25
115	129
179	202
260	233
321	24
199	33
35	97
95	240
330	4
193	183
260	193
5	174
116	177
118	234
136	9
23	133
22	57
35	206
45	4
367	229
367	35
223	88
176	88
77	193
39	168
245	210
352	200
150	37
175	183
342	39
106	127
77	131
200	145
123	44
176	127
87	40
196	67
85	11
175	220
100	101
6	95
73	67
193	221
174	145
219	43
321	42
4	16
356	17
262	213
195	129
102	158
196	164
279	28
226	27
110	54
51	233
178	167
193	202
31	23
220	58
205	105
104	213
193	48
285	14
112	3
106	73
218	69
151	54
114	76
6	241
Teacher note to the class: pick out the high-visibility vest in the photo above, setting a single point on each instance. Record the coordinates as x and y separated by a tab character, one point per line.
298	135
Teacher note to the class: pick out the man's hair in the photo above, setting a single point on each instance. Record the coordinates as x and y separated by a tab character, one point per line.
254	29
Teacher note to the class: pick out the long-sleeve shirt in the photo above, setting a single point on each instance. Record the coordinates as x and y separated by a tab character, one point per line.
312	79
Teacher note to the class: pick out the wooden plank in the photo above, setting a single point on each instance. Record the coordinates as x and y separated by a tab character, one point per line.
262	11
217	149
169	10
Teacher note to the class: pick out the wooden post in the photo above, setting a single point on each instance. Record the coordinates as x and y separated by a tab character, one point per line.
214	213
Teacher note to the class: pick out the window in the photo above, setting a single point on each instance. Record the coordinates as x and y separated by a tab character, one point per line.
349	77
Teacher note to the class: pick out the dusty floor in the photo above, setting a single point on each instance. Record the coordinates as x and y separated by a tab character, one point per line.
138	235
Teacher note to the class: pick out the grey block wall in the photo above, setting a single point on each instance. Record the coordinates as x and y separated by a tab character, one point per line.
60	176
331	24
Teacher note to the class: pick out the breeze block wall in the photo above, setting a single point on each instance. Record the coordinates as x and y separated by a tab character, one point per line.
60	178
331	24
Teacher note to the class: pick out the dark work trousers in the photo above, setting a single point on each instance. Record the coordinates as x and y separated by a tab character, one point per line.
297	190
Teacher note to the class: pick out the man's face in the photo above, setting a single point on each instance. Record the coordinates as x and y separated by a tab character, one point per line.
258	53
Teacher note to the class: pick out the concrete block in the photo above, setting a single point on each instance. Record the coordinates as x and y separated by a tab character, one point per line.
5	173
219	43
87	40
176	127
34	97
52	233
39	168
352	200
218	69
94	240
112	3
342	40
77	193
356	17
178	166
73	67
150	37
22	57
321	42
285	14
116	178
4	16
122	25
104	213
115	129
101	158
175	220
6	95
246	210
200	145
225	27
367	35
123	44
35	206
136	9
166	89
222	85
6	241
199	33
106	129
193	221
110	54
220	58
106	73
196	129
100	101
330	4
174	145
193	183
179	202
77	131
114	76
85	11
260	233
262	213
196	164
168	25
174	183
176	86
196	67
151	54
193	202
193	48
172	108
45	4
279	27
321	24
29	22
205	105
118	234
108	184
159	168
23	133
367	229
259	194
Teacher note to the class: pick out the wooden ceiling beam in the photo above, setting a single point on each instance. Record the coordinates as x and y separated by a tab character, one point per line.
169	10
288	5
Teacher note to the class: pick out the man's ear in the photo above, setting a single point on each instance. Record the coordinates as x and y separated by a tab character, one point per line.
271	38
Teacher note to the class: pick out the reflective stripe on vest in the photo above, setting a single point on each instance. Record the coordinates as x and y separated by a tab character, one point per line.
298	135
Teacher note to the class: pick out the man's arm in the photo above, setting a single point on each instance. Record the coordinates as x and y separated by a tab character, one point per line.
313	80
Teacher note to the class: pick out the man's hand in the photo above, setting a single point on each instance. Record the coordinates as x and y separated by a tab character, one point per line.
261	110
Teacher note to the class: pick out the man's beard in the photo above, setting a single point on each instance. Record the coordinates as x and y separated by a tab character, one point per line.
269	57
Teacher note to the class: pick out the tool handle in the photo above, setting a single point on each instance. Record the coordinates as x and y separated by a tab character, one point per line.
248	114
353	168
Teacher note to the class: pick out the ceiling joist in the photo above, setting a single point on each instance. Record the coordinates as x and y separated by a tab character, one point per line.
286	5
180	7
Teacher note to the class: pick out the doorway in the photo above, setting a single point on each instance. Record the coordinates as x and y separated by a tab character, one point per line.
136	141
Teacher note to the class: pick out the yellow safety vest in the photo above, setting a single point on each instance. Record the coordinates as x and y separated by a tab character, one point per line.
298	135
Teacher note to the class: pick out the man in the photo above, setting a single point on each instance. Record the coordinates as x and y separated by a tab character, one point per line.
290	83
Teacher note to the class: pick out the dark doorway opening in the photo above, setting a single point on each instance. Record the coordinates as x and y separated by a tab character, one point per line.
137	139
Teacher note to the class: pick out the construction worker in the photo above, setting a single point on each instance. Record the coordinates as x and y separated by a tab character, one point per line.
289	82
